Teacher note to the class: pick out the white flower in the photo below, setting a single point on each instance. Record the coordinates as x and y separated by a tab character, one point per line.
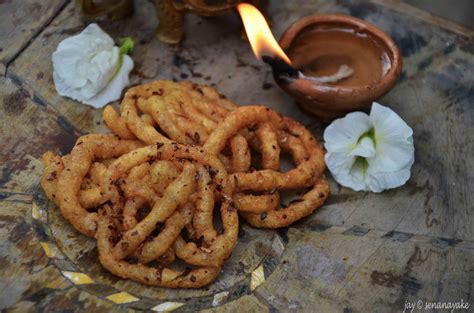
88	67
370	152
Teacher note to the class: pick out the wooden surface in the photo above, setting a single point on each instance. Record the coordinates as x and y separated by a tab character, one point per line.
360	252
20	22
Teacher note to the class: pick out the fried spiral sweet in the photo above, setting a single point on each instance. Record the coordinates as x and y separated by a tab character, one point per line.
307	155
202	175
180	153
181	111
76	166
184	112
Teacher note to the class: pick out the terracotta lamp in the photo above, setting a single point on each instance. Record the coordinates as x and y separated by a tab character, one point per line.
344	64
331	64
170	13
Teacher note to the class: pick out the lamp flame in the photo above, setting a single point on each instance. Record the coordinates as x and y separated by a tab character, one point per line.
259	33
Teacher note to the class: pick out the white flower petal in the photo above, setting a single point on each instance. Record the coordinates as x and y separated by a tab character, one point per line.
65	62
85	64
92	38
65	90
343	133
340	165
393	156
379	181
114	89
388	124
74	53
393	139
365	148
370	153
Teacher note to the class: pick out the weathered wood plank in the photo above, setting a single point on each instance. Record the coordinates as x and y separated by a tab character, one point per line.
28	129
360	252
20	21
338	271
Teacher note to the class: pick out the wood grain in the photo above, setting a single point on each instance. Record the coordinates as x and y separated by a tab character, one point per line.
27	130
20	21
360	252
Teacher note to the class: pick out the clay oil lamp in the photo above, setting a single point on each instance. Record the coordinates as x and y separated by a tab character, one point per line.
331	64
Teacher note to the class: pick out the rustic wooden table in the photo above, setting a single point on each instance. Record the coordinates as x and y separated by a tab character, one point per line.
360	252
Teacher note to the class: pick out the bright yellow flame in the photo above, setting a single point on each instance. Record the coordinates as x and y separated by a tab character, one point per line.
259	34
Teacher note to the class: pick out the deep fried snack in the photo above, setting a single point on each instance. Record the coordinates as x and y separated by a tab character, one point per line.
96	171
295	211
152	249
273	131
156	276
185	112
130	210
116	124
203	215
270	159
301	176
129	111
53	167
138	188
240	154
150	205
256	203
168	257
139	183
162	173
175	195
269	147
87	149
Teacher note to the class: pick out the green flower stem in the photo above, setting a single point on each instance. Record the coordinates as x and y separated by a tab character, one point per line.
126	46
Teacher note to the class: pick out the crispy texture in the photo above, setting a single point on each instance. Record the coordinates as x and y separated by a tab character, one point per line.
87	149
175	195
158	246
286	216
256	203
185	112
148	193
162	173
130	210
53	167
203	216
273	133
240	154
262	180
116	123
222	245
128	109
156	276
269	147
270	155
